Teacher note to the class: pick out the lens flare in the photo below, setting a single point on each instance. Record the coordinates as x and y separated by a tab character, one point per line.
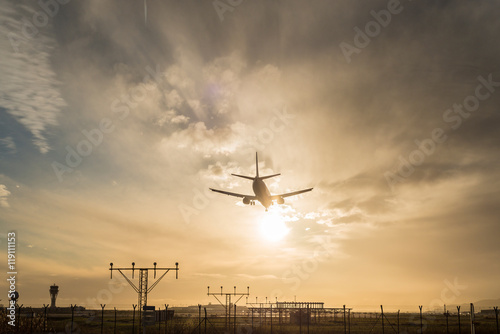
273	227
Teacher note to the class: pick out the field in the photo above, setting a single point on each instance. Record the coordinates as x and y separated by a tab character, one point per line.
89	321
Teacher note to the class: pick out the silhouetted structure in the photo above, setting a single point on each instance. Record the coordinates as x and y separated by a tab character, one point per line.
143	289
54	290
297	312
228	305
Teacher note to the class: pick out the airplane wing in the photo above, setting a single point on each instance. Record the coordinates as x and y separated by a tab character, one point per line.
250	197
275	197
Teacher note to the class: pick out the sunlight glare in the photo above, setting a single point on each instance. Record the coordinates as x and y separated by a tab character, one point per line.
273	227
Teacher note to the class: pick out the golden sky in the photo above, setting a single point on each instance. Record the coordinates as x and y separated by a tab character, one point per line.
114	124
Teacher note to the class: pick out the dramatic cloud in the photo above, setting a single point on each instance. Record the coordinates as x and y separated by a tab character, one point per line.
394	124
29	88
4	194
8	144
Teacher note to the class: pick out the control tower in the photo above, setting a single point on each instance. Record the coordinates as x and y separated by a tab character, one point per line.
54	290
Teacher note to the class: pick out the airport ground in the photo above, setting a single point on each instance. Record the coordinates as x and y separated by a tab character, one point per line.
90	321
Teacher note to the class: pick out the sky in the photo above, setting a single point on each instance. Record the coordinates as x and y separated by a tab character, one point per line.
116	118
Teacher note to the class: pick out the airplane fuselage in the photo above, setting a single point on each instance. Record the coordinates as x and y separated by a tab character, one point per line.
262	193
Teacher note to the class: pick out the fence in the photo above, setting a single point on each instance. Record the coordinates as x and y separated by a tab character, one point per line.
78	320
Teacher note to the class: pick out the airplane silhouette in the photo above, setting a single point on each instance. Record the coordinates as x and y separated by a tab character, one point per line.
260	190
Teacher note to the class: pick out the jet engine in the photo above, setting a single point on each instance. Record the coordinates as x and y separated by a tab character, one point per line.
281	200
246	200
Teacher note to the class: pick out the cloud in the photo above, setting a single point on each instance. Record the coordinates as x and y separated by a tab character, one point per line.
9	144
4	194
209	275
173	99
171	117
207	142
222	88
180	119
29	88
220	174
257	277
223	79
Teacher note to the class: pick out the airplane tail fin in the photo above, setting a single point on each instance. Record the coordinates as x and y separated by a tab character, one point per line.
256	165
256	172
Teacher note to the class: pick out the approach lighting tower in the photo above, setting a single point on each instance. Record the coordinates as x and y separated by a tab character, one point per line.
143	289
228	300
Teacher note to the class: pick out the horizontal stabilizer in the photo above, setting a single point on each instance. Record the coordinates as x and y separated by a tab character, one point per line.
268	176
244	176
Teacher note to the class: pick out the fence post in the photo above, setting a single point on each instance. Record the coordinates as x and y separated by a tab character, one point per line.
345	328
133	319
19	318
447	314
72	316
421	325
308	317
458	315
496	316
382	310
271	307
205	309
349	320
398	321
114	328
199	318
45	317
472	316
31	319
159	320
102	317
166	318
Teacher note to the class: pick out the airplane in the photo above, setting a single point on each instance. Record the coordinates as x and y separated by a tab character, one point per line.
260	190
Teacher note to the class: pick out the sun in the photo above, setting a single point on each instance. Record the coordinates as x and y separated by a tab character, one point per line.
273	227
